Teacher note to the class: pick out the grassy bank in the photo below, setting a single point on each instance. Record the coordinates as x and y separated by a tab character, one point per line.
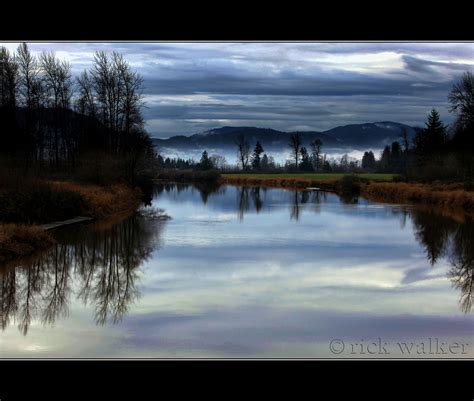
327	181
21	209
377	187
452	196
17	240
320	177
102	201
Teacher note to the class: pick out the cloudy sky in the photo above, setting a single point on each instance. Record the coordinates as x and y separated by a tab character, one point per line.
191	87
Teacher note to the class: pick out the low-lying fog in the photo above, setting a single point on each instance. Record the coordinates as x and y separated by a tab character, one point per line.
279	156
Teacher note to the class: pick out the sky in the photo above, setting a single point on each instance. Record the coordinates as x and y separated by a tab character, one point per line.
193	87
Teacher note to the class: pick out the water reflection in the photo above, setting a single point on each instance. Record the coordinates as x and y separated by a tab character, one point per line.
441	235
98	264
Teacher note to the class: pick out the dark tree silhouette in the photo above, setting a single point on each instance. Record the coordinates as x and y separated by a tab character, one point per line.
305	164
8	78
316	153
39	125
102	261
368	161
205	162
295	146
461	99
405	139
385	159
256	160
267	163
243	151
431	139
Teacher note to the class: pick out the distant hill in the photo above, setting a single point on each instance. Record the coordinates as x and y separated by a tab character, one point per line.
225	137
354	136
370	134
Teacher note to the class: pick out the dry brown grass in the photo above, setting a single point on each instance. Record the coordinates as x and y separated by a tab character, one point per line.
278	182
448	196
451	196
103	201
17	240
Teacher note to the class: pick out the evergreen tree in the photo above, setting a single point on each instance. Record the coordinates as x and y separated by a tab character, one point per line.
256	160
205	163
431	139
385	159
368	161
264	162
395	157
305	164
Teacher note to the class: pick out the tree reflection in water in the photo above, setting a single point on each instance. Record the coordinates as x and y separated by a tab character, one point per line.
453	239
99	264
441	236
100	261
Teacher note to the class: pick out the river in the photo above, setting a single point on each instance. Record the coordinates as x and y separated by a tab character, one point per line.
247	273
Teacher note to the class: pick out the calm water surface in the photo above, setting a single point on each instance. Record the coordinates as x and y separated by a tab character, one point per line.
247	272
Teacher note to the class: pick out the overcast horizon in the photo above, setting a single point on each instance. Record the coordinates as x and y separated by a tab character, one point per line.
192	87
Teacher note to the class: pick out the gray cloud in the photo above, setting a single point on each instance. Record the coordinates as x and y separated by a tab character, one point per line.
195	86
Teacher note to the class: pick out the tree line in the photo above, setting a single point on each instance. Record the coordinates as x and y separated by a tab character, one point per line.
49	119
437	151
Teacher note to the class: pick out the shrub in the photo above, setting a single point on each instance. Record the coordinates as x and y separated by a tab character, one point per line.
55	201
350	185
102	201
39	203
21	240
451	195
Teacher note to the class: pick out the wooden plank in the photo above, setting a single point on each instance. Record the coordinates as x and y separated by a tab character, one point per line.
57	224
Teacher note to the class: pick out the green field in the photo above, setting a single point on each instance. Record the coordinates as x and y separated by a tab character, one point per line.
312	176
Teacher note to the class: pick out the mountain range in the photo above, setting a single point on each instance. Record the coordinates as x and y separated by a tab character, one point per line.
354	136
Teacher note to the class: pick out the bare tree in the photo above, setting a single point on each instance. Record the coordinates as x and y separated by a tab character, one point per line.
30	91
295	145
316	153
114	92
29	79
243	151
8	78
405	140
131	100
58	87
57	79
219	162
85	101
461	99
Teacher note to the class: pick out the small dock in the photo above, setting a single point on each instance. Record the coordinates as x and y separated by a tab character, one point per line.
57	224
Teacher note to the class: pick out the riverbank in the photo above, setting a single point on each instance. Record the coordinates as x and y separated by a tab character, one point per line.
18	240
328	182
452	196
23	211
376	187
